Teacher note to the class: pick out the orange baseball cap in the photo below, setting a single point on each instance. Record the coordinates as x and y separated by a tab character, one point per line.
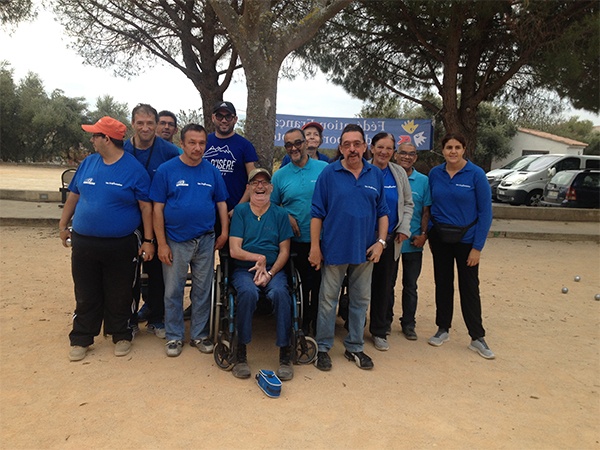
317	125
108	126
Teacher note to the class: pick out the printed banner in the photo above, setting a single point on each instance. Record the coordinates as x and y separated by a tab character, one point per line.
418	132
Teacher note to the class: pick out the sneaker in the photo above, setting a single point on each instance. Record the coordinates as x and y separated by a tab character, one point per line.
204	345
158	329
134	327
323	361
77	353
285	371
174	348
122	348
380	343
439	338
187	313
241	369
409	333
361	360
480	346
143	313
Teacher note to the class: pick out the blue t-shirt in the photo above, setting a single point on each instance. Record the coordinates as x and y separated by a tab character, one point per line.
391	197
161	150
462	199
108	196
293	189
320	157
190	195
260	236
349	209
421	194
230	157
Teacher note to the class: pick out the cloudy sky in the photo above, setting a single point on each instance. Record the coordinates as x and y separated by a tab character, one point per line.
42	48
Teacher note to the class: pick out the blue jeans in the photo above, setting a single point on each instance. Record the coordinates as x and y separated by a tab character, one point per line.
199	255
359	292
247	296
411	270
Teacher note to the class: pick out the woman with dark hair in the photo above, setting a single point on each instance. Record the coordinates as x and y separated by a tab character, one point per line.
461	216
398	196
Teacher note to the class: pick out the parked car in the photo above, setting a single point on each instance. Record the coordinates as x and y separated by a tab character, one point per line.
497	175
574	189
526	186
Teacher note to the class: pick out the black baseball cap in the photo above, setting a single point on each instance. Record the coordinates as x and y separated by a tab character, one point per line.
228	106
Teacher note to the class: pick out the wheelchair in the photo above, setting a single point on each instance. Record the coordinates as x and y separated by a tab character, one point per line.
222	317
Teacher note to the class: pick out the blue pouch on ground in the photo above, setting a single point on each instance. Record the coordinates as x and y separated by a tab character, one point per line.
269	383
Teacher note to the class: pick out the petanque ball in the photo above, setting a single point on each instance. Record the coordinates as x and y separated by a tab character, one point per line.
597	297
565	290
577	278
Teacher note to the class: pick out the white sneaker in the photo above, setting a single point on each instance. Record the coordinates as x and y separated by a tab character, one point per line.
479	346
380	344
439	338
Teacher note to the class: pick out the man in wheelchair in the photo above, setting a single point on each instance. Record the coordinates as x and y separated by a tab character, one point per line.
259	242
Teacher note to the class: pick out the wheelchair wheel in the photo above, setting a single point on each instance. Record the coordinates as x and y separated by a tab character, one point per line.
223	355
306	350
216	305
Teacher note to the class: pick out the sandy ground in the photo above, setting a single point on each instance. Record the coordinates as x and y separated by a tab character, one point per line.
540	393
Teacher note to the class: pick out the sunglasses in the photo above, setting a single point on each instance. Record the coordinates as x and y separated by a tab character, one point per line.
297	143
228	117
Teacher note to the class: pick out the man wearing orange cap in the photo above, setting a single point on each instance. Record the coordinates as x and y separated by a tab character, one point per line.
113	188
314	138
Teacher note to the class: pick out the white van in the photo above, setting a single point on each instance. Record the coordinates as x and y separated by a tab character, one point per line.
495	176
526	186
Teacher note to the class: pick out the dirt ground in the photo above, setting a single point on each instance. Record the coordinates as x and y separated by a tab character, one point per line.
541	392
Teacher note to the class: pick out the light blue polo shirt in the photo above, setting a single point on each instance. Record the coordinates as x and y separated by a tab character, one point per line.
421	194
293	189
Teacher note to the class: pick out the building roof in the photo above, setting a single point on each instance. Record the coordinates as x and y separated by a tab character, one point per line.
553	137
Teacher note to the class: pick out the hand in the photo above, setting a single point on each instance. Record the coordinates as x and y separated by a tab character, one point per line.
374	252
419	240
315	257
230	214
64	235
165	255
147	249
400	237
294	224
220	241
473	258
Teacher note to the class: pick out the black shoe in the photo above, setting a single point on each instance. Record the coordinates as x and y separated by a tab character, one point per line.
241	369
361	360
323	361
187	313
285	371
409	333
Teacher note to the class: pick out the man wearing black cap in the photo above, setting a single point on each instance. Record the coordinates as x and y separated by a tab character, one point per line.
314	138
231	153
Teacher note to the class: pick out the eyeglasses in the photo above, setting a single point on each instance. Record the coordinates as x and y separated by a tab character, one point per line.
228	117
167	124
355	144
95	135
407	154
255	183
297	143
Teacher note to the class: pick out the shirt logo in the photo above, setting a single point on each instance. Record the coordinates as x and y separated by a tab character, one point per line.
463	185
112	183
181	183
371	187
89	181
221	157
204	184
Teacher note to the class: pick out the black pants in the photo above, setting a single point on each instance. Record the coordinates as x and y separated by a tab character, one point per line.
103	272
444	256
383	281
311	284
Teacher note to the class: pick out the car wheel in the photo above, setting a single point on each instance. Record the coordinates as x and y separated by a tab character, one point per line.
534	198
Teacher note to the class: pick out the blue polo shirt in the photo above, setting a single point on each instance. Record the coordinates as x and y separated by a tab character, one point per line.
260	235
320	156
160	152
421	194
108	196
293	189
462	199
190	195
349	209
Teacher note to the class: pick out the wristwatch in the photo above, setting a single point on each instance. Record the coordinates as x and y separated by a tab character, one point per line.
382	242
152	241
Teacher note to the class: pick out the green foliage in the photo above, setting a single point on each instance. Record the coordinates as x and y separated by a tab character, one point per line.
12	12
495	131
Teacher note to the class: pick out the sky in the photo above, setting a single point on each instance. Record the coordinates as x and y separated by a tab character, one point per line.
41	47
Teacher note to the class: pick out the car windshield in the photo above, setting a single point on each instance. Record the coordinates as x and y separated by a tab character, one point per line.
540	163
520	162
562	178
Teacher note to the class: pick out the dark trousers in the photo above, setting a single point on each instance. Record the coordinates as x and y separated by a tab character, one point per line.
411	270
383	282
311	284
103	273
444	257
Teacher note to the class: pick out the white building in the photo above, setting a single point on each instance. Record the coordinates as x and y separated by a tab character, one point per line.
533	142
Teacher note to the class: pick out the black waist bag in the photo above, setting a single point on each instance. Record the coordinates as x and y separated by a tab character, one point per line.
451	234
